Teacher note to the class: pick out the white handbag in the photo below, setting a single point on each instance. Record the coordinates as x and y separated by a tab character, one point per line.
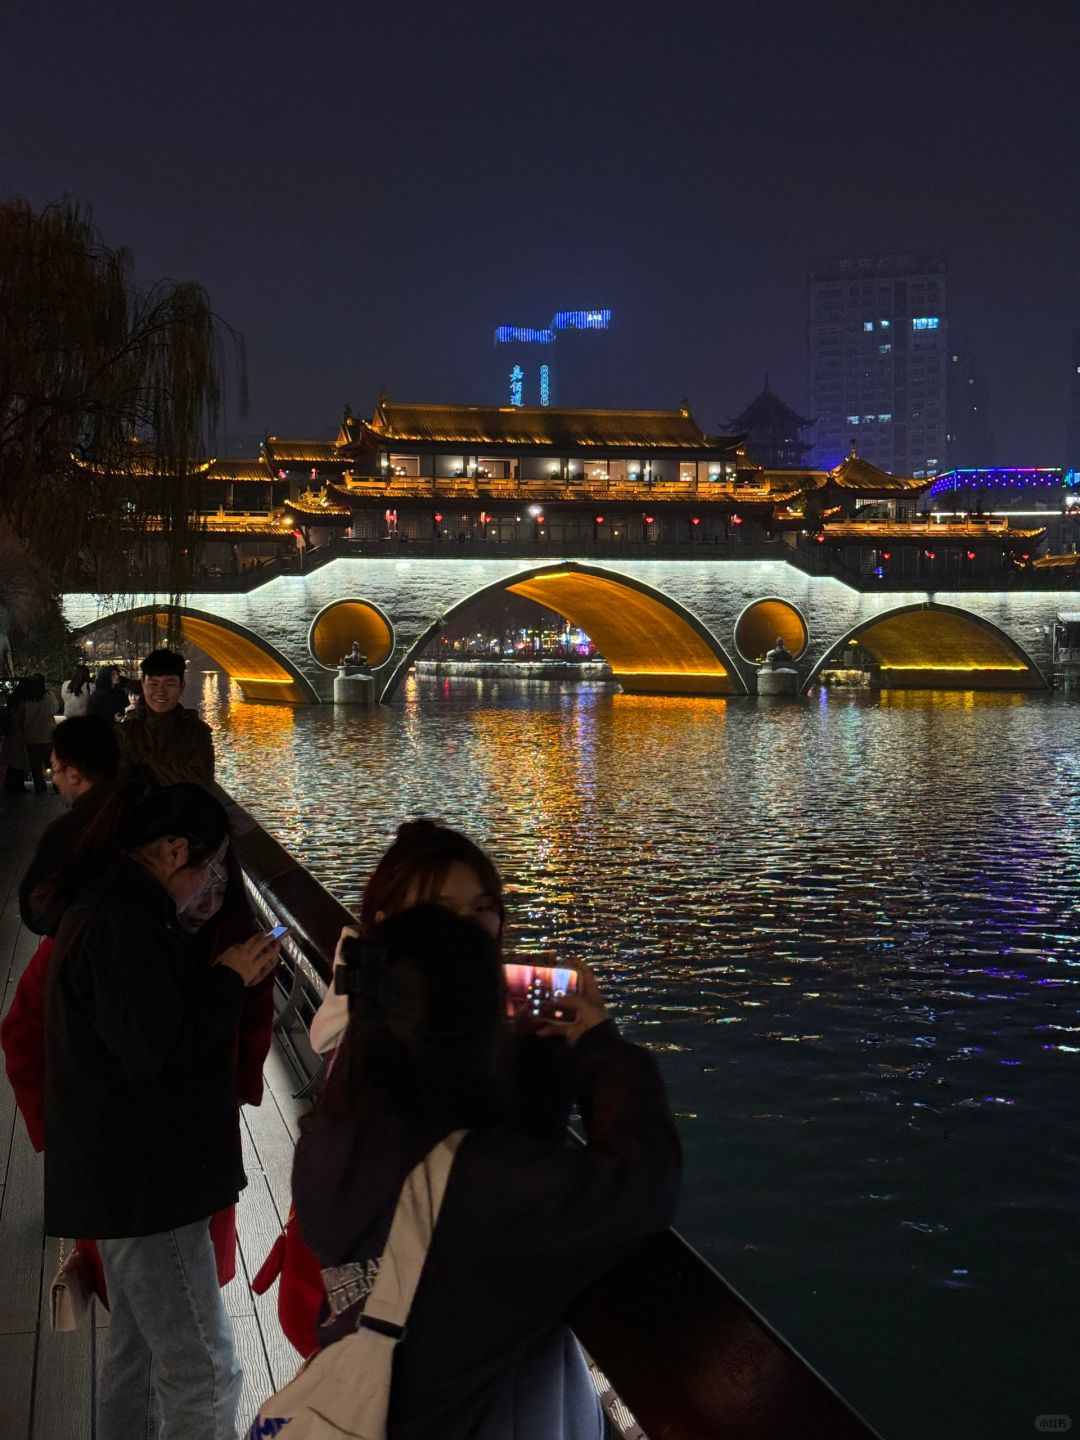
343	1392
71	1291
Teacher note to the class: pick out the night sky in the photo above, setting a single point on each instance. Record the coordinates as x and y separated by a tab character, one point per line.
366	191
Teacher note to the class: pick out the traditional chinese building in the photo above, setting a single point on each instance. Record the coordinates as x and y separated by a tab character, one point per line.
544	481
772	431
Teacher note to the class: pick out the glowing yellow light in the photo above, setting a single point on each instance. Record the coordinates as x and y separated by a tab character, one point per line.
647	644
931	665
349	620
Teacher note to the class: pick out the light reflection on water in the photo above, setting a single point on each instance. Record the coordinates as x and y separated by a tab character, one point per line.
848	928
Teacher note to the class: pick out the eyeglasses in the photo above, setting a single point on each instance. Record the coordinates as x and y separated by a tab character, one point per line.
218	877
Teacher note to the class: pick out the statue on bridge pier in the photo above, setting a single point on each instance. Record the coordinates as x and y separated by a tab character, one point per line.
778	674
780	657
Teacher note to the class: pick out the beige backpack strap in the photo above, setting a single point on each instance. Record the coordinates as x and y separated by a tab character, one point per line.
413	1225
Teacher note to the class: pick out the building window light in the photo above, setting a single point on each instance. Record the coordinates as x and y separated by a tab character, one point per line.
885	324
868	325
853	419
886	418
868	419
885	349
926	322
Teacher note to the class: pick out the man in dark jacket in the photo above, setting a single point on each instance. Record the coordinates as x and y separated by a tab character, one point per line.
84	762
162	734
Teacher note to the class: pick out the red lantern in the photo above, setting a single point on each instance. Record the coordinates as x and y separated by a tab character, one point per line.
1025	556
438	517
820	538
736	519
930	554
886	554
971	554
539	519
648	519
695	520
598	519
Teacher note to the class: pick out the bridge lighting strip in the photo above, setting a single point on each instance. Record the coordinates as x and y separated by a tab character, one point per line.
932	666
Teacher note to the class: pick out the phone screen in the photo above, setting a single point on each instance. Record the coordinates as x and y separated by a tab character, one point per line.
277	932
542	990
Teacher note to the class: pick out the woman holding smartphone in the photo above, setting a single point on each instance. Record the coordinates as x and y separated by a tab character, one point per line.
526	1224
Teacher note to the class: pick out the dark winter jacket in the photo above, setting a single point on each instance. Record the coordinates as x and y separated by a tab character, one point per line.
141	1125
526	1225
175	746
39	906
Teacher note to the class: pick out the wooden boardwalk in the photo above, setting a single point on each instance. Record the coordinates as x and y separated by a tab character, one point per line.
47	1380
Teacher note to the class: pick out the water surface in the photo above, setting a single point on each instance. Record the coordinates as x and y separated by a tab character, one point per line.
847	926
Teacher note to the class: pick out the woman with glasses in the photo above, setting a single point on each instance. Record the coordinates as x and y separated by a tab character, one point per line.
142	1138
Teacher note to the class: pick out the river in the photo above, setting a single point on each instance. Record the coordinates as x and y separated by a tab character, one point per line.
847	926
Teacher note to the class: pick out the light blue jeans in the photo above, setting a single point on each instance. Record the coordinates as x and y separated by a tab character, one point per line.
170	1341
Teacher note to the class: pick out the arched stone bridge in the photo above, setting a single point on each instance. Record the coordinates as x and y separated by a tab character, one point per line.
679	626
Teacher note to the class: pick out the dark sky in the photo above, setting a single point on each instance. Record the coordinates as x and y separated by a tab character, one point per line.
366	191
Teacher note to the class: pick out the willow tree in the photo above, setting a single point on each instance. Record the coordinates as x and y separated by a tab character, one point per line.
110	398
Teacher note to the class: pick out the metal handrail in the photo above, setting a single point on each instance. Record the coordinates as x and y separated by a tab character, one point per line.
681	1348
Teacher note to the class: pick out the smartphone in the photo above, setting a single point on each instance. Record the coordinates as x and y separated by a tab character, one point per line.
277	932
543	991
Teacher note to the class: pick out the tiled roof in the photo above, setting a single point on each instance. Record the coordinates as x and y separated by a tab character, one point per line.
766	410
302	452
315	510
640	430
855	473
257	470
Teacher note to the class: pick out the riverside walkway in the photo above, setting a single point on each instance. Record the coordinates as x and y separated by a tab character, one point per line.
47	1380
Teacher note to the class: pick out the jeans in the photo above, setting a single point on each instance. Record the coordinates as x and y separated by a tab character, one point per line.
170	1340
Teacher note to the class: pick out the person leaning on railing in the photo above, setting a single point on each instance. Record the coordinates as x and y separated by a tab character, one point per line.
526	1225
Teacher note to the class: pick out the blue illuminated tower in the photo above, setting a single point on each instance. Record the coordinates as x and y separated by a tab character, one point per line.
526	356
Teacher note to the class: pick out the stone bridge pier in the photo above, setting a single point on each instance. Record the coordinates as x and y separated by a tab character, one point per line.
665	626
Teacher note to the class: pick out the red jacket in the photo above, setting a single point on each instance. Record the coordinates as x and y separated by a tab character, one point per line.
22	1036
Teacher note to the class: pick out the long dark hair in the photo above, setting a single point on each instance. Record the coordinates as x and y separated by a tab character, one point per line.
428	1037
420	855
135	815
80	676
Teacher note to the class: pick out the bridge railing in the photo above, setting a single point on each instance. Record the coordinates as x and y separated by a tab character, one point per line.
682	1354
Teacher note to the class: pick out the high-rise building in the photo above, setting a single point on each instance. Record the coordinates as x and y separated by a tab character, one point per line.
968	441
526	359
879	360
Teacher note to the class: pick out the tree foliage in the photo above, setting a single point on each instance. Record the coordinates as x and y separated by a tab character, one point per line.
110	397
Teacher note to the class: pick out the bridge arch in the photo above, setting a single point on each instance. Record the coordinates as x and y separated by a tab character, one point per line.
261	670
341	622
652	643
928	646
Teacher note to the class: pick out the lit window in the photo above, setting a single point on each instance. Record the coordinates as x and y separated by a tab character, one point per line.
884	324
853	419
886	418
885	349
868	419
926	322
867	324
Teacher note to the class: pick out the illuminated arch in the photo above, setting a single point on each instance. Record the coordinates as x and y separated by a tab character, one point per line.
338	624
940	647
652	643
261	671
759	625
